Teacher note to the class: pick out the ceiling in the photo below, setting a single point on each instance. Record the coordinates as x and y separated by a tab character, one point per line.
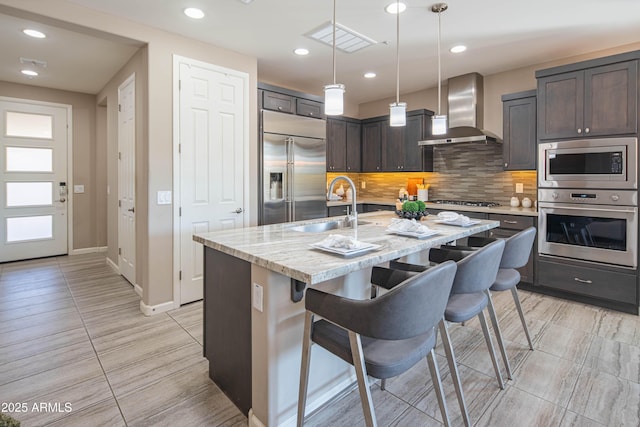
501	35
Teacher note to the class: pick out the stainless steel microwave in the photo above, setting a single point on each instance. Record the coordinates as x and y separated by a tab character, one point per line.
588	163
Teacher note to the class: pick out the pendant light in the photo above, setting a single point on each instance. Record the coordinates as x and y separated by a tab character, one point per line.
439	121
398	110
334	93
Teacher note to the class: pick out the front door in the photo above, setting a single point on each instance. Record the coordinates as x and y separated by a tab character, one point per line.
34	187
213	141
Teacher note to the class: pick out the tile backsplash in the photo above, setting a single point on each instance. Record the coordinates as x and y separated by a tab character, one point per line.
462	172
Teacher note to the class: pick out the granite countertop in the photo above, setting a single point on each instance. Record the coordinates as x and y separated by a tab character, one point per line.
503	210
279	248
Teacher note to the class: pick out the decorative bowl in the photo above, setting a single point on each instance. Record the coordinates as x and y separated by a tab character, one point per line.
411	215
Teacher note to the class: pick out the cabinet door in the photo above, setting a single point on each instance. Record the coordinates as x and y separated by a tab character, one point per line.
412	152
306	107
278	102
371	146
392	148
611	99
519	134
560	105
354	148
336	145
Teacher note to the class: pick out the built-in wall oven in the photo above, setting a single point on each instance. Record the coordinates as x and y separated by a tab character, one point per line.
588	201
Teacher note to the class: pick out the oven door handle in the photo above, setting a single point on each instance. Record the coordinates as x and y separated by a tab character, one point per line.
587	207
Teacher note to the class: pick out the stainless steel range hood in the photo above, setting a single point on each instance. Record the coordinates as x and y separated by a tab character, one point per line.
466	113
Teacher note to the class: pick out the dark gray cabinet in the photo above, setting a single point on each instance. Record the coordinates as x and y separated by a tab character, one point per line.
519	130
290	101
591	98
344	209
343	144
395	149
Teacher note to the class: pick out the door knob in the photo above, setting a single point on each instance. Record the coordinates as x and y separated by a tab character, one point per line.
132	210
239	210
62	200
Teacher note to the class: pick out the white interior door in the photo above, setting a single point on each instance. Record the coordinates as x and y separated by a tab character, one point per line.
33	191
126	179
212	157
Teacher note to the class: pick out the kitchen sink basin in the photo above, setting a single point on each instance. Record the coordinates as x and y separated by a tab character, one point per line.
319	227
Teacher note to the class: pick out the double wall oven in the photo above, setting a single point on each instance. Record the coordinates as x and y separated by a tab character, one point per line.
588	201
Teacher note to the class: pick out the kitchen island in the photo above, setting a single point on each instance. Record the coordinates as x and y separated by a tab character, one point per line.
253	316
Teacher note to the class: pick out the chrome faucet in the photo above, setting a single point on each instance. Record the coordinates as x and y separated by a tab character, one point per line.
353	217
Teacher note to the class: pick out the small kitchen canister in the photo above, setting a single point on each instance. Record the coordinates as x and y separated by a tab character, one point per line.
515	202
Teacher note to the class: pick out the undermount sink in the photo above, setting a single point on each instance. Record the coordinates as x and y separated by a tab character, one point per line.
319	227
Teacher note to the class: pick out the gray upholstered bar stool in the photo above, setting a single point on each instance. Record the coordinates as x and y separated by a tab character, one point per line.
516	255
381	337
477	271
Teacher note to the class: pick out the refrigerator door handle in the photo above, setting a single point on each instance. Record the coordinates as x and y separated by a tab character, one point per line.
292	170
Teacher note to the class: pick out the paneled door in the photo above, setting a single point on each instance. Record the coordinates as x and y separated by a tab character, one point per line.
213	143
127	179
33	191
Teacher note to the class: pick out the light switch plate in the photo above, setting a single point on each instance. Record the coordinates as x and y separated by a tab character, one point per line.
257	297
78	189
164	197
519	188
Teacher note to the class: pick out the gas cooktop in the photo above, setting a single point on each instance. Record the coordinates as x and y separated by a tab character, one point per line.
466	203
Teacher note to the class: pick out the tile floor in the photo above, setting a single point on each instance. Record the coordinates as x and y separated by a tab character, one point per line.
71	333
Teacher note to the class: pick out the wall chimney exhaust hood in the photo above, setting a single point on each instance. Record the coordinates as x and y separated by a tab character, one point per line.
466	113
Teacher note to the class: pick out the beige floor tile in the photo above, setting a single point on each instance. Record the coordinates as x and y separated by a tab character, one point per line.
571	419
148	371
541	307
24	349
105	413
615	358
413	417
33	309
514	407
11	324
566	343
547	377
606	399
579	317
61	324
60	294
619	327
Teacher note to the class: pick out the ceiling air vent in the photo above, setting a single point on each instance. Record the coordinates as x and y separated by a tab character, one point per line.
347	40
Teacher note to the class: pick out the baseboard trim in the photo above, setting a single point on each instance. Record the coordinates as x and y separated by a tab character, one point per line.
138	289
150	310
253	420
89	250
113	265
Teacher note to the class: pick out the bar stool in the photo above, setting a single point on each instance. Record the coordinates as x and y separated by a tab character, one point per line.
381	337
477	271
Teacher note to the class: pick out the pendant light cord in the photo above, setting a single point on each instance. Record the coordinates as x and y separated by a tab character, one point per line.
397	51
334	41
439	65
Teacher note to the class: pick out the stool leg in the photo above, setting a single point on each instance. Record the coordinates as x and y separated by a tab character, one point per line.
363	384
492	352
496	327
453	368
437	385
304	367
516	299
383	384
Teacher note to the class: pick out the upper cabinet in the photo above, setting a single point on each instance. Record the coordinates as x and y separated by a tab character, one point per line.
343	144
591	98
289	101
395	149
519	130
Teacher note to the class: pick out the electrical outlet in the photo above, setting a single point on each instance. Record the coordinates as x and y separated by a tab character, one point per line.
519	188
257	297
363	184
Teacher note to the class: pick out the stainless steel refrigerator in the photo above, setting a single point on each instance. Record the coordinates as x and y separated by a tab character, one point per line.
294	183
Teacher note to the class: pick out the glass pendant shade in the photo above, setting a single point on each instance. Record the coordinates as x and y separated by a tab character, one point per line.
334	99
398	114
438	125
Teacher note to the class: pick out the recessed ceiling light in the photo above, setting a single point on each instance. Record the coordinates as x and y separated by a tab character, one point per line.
457	49
394	7
301	51
29	73
369	75
34	33
193	12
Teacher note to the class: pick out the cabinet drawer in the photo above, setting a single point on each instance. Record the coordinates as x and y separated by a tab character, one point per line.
589	281
305	107
278	102
513	222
